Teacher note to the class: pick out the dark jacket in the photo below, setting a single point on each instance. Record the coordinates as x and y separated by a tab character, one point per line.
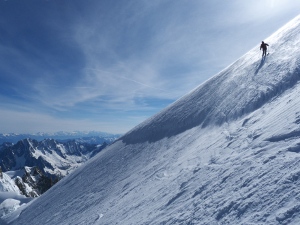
263	46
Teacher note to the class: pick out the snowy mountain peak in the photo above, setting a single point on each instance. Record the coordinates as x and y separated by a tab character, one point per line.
226	153
241	88
51	156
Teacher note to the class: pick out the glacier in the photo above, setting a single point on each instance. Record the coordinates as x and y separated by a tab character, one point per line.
228	152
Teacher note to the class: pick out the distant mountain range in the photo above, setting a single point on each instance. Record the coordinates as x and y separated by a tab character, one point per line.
30	167
35	162
92	137
54	158
228	152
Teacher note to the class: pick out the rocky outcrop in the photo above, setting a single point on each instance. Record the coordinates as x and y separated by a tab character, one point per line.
34	183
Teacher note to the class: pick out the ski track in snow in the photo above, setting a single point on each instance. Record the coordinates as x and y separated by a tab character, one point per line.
226	153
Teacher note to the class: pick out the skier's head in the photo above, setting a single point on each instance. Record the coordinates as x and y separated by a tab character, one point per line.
262	42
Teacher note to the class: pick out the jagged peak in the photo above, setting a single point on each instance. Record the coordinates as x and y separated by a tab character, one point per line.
229	174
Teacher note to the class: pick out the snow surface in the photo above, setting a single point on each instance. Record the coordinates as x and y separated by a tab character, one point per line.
10	196
226	153
7	184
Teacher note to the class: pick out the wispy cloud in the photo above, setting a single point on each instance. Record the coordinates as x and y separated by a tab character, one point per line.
164	60
132	52
92	62
31	122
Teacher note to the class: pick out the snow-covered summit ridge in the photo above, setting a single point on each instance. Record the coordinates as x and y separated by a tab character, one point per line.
245	171
241	88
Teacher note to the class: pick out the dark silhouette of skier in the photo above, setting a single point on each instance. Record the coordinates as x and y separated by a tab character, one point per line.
263	46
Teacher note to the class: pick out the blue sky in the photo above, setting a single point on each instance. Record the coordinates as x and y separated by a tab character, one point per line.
108	65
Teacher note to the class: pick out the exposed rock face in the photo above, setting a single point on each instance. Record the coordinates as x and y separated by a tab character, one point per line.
41	164
34	183
50	156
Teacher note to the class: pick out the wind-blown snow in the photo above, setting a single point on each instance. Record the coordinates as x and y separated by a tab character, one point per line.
226	153
239	89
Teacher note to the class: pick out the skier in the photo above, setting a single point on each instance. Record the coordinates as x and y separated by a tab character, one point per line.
263	46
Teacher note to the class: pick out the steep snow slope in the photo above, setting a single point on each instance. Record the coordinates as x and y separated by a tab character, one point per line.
226	153
239	89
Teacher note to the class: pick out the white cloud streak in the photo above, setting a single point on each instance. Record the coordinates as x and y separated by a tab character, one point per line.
139	51
178	54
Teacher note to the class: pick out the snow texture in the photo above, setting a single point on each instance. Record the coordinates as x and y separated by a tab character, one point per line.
10	196
7	184
226	153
